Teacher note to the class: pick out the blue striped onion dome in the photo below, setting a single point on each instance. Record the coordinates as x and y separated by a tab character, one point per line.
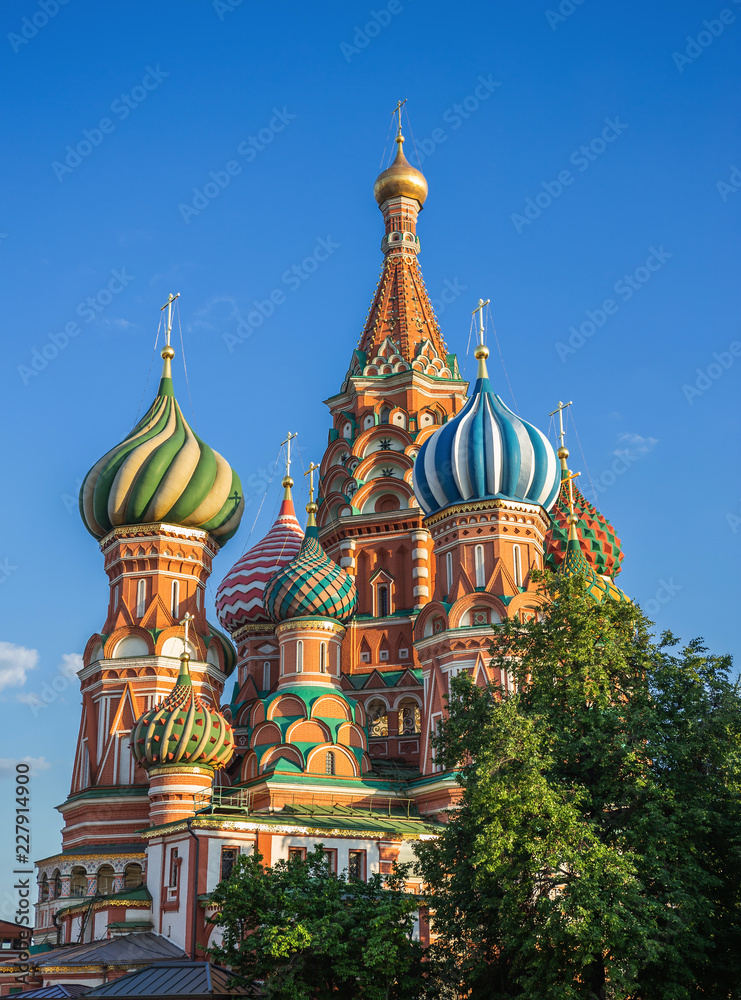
162	471
485	451
310	584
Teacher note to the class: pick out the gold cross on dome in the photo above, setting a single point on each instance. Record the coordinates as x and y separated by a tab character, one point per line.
186	622
397	111
168	305
310	473
480	310
569	479
287	443
559	410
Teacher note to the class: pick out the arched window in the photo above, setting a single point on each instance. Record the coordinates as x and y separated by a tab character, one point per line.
175	599
44	889
449	570
299	656
115	597
517	565
78	881
378	720
133	875
141	598
198	598
383	601
57	884
385	414
478	558
106	878
329	763
282	660
409	718
266	675
323	658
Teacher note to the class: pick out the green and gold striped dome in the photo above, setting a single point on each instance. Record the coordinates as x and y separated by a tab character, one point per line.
162	471
310	584
181	730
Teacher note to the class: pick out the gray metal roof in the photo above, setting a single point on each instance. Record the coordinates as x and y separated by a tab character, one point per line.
59	991
129	949
174	979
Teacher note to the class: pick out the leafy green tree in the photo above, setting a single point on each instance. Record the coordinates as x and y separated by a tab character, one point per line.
597	849
310	934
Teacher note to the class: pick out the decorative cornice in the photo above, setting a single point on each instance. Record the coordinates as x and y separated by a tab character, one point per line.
162	529
494	504
302	624
247	630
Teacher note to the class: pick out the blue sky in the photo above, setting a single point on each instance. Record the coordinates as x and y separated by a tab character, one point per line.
584	174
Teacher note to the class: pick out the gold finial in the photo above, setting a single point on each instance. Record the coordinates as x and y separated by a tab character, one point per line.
185	655
563	453
482	351
397	111
287	482
311	507
310	473
167	351
572	518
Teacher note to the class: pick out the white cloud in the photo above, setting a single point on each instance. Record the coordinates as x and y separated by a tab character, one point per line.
8	764
71	663
15	662
634	446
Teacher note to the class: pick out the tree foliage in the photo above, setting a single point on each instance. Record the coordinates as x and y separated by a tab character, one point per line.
597	850
310	934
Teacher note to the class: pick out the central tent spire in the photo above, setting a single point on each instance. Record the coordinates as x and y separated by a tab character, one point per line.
401	322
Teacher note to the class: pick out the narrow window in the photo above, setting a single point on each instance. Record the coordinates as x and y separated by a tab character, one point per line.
339	660
296	853
323	658
198	599
385	414
449	570
517	565
479	563
174	868
356	865
141	598
229	857
175	602
115	596
266	675
282	660
383	602
329	763
299	656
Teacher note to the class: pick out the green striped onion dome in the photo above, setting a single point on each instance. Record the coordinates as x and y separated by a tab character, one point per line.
602	547
310	584
162	471
182	730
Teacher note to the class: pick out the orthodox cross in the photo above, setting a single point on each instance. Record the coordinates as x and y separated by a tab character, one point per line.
310	473
287	443
559	410
168	305
569	478
236	497
480	310
186	622
397	111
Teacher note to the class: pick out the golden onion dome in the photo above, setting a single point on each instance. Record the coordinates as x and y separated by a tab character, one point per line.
401	178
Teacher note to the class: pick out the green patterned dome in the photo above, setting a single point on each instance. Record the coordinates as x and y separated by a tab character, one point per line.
181	730
310	584
575	563
602	548
162	471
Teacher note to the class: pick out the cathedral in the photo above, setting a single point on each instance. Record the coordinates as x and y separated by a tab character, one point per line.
304	714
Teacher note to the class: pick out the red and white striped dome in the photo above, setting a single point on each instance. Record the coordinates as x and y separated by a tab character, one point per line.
239	599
